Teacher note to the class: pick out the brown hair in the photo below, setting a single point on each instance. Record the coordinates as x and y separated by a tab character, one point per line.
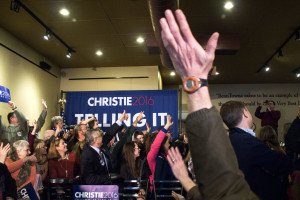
53	153
269	137
133	165
150	141
232	112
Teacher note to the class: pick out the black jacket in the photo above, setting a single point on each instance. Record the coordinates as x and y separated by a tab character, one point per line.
265	170
93	172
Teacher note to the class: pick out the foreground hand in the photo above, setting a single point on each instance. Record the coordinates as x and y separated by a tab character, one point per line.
177	164
177	196
188	56
3	152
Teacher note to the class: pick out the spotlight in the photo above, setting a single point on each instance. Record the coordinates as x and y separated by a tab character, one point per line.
47	35
69	54
140	40
172	73
99	53
228	5
267	68
64	12
280	54
297	35
15	6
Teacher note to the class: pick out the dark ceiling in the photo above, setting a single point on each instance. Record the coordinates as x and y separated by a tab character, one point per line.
113	26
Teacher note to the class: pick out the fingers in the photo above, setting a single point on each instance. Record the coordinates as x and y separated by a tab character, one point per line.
1	145
173	27
184	26
212	45
167	37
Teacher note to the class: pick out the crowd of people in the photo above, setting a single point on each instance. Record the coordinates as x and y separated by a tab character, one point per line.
208	161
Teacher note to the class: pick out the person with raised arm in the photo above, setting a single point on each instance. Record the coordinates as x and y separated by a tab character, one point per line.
156	156
216	167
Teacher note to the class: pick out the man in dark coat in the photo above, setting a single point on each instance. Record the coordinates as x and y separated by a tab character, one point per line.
265	170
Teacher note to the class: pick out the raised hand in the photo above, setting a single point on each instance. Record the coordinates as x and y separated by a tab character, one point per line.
44	104
123	117
11	105
148	127
188	56
3	152
169	122
177	164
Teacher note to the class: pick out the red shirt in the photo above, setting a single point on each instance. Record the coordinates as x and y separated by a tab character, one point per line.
64	168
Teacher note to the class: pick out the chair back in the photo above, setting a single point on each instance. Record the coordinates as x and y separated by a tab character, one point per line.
164	188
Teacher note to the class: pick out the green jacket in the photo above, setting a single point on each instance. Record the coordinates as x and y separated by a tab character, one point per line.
12	133
215	163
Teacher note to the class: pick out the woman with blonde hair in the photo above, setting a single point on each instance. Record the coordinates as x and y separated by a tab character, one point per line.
62	164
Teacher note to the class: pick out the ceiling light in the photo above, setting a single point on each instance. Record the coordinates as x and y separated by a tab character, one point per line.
69	54
47	35
228	5
64	12
99	53
172	74
140	40
217	73
267	68
298	74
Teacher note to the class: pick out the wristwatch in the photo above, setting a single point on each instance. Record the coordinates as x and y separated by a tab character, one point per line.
192	84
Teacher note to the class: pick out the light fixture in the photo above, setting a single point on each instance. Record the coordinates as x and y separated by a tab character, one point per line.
267	68
69	54
64	12
172	73
228	5
217	73
297	35
298	74
99	53
140	40
280	54
47	35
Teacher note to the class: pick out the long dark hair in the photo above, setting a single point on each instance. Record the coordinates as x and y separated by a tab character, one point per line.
269	137
133	165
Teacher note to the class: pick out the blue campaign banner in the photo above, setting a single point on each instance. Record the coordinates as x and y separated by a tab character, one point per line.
27	192
107	106
4	94
95	192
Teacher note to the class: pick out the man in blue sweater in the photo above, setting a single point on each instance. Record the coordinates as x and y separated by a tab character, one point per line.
265	170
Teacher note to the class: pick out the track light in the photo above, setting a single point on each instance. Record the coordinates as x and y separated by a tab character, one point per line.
297	35
69	54
280	54
47	35
267	68
15	6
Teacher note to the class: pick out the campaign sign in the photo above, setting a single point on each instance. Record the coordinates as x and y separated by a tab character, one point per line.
27	192
4	94
108	106
95	192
